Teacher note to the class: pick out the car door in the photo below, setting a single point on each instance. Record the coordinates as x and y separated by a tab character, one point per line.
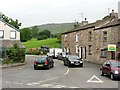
107	67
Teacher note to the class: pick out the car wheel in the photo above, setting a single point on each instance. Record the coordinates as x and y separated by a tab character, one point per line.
35	68
112	76
48	67
68	64
102	73
52	65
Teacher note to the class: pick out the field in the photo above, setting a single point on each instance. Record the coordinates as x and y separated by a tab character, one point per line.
34	43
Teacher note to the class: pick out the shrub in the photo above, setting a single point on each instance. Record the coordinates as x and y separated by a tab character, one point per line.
15	54
41	37
33	51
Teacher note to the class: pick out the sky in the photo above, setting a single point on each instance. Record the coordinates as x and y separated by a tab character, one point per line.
38	12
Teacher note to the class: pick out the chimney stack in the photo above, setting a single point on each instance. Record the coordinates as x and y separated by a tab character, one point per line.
85	22
113	14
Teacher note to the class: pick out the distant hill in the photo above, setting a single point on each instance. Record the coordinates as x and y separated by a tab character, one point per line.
56	28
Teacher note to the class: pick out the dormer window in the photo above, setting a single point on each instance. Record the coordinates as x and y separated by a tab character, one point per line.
13	34
1	34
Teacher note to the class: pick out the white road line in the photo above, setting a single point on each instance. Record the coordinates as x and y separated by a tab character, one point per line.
67	72
39	82
46	85
95	81
14	82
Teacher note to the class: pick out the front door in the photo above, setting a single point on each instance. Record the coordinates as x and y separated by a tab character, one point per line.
80	52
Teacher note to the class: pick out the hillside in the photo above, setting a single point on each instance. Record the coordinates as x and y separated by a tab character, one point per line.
56	28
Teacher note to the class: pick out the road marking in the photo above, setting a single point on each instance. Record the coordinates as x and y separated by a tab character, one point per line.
67	72
39	82
14	82
95	81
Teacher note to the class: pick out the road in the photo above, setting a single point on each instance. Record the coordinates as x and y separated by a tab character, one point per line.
58	77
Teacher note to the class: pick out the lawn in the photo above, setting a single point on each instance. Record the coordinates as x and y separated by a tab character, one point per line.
34	43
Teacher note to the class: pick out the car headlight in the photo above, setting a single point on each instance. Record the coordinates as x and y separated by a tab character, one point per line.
72	62
81	62
116	72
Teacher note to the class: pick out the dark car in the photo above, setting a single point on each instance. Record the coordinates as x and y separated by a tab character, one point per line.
111	68
72	60
43	62
61	55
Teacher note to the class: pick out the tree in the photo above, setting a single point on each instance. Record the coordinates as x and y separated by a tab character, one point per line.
15	23
25	34
34	31
45	32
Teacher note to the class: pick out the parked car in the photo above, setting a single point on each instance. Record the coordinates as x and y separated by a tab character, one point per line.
54	52
43	62
111	68
72	60
61	55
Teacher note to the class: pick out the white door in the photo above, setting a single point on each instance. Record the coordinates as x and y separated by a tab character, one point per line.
80	52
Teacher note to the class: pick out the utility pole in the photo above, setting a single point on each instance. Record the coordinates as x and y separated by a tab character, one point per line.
108	11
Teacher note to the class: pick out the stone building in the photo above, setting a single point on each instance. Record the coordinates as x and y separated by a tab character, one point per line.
88	41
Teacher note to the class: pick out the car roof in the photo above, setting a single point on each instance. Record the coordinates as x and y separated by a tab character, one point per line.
114	60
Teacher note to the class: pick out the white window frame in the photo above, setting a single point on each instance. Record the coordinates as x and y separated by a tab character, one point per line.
77	48
77	38
1	33
12	34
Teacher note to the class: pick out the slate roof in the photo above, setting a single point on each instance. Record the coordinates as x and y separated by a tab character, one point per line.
114	22
99	24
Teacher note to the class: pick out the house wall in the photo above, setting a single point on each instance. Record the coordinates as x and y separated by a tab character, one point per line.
112	38
7	30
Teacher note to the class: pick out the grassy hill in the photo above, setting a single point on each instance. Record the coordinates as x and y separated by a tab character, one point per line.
34	43
56	28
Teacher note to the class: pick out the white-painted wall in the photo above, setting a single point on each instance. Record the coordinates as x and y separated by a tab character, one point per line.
7	30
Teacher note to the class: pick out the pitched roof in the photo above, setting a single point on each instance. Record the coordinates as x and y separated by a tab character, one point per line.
9	24
98	25
114	22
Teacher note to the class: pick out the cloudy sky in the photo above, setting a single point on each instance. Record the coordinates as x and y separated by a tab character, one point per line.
37	12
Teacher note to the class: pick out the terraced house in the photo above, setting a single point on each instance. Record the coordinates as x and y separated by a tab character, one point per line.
91	41
9	36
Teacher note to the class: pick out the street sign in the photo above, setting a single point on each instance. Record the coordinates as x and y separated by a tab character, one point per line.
111	47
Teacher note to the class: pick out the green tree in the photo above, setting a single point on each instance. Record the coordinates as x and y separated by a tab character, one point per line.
34	31
45	32
14	23
25	34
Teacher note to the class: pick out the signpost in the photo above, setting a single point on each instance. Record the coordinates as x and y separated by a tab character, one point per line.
111	47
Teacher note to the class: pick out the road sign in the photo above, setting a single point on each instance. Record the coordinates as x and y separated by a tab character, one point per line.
94	79
111	47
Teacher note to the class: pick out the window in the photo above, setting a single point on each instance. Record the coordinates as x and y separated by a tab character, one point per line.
90	36
12	34
77	48
90	49
105	36
77	38
1	34
65	37
103	54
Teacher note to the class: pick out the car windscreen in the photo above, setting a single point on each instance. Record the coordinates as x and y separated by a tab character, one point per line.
116	64
41	59
74	58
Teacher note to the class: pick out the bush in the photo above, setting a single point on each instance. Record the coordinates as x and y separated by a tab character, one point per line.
41	37
15	54
33	51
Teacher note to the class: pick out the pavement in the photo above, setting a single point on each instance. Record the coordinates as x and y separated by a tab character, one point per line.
11	65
